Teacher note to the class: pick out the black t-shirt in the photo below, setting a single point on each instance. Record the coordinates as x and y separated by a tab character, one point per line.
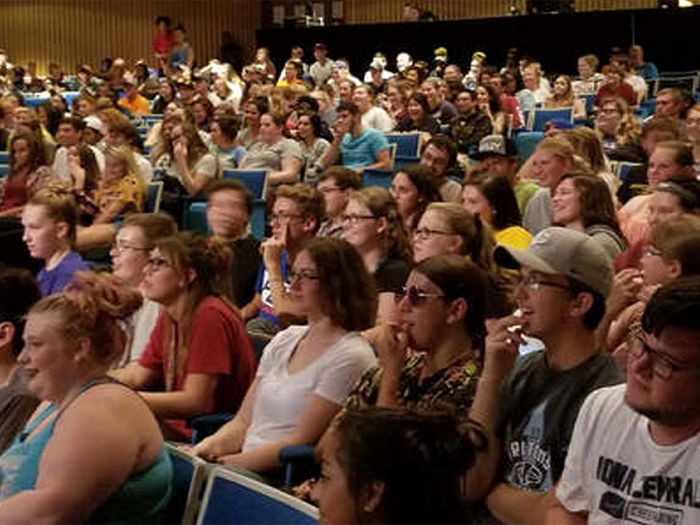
246	261
539	407
634	183
391	275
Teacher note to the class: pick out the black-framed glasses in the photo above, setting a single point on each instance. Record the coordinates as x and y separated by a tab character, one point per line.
425	233
284	217
354	218
156	263
120	246
536	282
301	275
662	365
416	297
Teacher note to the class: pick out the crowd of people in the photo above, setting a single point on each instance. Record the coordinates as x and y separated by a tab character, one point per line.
491	338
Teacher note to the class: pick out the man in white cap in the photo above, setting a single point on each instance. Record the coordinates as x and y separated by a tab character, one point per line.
403	62
92	134
529	406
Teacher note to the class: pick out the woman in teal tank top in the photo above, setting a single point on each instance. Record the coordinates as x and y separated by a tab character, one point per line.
93	452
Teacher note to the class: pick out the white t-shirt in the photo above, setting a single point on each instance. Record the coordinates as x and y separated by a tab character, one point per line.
281	397
617	474
378	119
141	325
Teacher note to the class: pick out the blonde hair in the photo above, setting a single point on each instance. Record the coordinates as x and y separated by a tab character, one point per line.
60	206
564	150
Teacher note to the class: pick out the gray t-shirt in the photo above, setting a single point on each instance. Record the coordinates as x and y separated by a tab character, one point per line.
538	213
261	156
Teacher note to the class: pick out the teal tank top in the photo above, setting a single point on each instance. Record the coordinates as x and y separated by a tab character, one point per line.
141	499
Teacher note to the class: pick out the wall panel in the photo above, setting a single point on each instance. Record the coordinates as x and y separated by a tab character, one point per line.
77	31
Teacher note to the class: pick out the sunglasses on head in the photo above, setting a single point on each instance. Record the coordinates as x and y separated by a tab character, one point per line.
415	295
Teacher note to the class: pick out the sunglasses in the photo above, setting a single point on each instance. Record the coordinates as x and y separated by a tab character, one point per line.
416	297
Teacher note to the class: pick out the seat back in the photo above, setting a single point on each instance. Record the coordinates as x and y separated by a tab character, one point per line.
153	196
4	156
258	219
4	169
372	177
254	180
589	101
189	476
622	169
681	80
526	142
231	498
407	144
540	116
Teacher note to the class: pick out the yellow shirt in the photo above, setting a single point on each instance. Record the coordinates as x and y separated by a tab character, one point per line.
513	237
138	106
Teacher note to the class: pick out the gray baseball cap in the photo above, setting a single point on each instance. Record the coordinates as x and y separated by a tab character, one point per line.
562	251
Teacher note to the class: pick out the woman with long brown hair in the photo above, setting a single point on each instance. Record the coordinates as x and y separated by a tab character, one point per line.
28	173
198	349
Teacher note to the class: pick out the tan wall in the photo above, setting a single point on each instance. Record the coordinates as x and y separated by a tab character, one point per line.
372	11
84	31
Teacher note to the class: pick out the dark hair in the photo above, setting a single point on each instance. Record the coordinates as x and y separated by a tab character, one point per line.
595	201
446	144
686	189
420	99
53	116
344	177
595	314
161	19
37	151
419	458
687	253
346	287
665	124
682	152
315	121
261	103
494	104
20	291
501	197
76	123
459	278
675	304
348	106
88	161
228	126
233	185
422	178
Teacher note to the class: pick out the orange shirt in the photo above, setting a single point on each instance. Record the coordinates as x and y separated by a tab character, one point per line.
138	106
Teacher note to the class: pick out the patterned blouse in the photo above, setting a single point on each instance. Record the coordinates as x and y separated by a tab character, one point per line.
452	388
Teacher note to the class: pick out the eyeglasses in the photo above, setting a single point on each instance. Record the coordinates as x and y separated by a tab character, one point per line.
650	251
120	246
661	364
535	282
302	275
284	217
416	296
354	218
424	233
156	263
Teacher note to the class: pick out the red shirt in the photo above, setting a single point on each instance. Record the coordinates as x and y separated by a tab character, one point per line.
218	345
623	90
510	105
162	42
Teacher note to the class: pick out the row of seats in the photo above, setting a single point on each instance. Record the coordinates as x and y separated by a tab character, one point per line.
207	494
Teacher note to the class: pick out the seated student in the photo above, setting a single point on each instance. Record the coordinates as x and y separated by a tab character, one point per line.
336	184
280	156
473	123
93	453
313	146
306	372
668	159
123	132
588	146
614	85
413	189
566	277
646	429
120	192
429	357
498	154
198	350
619	130
50	222
129	252
448	228
583	202
229	207
418	117
19	291
371	471
223	138
439	155
70	133
490	196
28	173
562	96
672	252
354	147
296	215
373	116
372	224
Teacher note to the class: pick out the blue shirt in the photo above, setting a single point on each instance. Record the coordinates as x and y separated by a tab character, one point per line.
55	280
648	71
262	286
362	150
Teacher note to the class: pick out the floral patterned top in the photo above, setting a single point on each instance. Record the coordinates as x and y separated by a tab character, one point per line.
128	190
452	388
